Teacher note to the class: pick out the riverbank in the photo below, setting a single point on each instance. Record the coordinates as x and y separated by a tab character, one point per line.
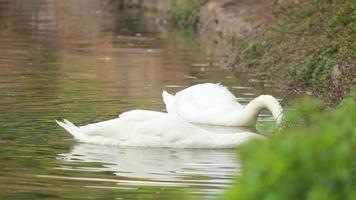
302	46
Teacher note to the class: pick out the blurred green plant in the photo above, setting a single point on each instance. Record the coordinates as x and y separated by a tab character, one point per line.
312	47
313	160
185	14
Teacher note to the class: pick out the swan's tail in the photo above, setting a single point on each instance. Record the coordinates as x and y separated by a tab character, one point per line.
71	128
168	99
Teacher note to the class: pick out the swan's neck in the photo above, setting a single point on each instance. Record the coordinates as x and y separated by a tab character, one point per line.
253	109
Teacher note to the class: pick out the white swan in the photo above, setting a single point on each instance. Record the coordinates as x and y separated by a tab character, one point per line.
214	104
153	129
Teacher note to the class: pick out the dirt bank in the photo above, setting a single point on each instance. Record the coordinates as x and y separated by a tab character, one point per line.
221	20
218	20
303	45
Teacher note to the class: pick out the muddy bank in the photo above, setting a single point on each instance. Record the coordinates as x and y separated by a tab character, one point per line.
222	20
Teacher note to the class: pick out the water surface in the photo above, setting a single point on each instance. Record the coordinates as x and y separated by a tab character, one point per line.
89	61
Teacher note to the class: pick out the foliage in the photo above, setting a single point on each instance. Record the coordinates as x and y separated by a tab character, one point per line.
313	161
311	47
185	14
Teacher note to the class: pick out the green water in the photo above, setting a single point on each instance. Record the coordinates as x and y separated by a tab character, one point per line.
88	61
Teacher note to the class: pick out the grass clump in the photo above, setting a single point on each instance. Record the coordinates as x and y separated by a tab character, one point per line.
185	14
315	160
312	47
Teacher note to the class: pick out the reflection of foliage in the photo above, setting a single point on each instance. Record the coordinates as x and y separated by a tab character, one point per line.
186	37
131	18
79	190
185	14
310	47
313	161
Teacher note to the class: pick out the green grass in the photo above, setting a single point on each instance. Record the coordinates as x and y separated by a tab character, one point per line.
312	157
310	41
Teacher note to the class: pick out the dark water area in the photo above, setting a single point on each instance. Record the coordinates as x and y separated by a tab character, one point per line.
89	61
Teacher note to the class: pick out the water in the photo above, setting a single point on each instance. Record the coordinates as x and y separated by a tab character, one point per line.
88	61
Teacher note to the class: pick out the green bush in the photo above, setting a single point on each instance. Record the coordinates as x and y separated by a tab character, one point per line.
185	14
315	160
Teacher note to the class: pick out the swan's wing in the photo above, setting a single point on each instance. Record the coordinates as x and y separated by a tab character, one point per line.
140	115
207	99
133	128
96	129
151	128
90	130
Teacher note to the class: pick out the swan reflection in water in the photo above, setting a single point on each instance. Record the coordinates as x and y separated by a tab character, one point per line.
187	167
